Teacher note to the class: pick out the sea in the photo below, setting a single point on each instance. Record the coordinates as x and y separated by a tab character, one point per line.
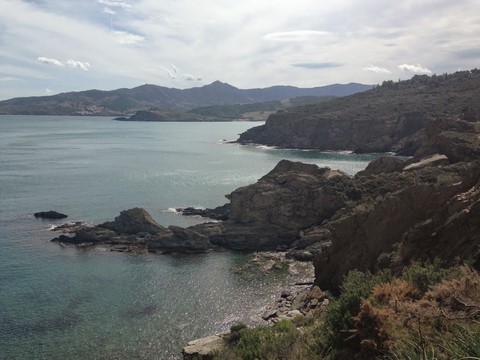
62	302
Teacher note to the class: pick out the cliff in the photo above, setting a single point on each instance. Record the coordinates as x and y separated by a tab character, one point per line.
389	118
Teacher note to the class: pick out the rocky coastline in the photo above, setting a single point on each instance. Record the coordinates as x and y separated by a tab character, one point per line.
394	212
316	214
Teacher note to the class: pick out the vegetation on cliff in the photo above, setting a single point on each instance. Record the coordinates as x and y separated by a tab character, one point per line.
423	312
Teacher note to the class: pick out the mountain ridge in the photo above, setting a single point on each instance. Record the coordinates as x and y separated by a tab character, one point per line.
125	101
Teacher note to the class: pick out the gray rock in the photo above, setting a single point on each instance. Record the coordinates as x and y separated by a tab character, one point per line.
134	221
205	348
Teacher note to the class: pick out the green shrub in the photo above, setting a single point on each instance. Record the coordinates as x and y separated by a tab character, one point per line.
338	320
274	342
422	276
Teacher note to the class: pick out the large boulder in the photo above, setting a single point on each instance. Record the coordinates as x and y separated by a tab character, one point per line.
134	221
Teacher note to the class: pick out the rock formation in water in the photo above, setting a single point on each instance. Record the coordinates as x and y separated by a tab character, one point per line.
50	215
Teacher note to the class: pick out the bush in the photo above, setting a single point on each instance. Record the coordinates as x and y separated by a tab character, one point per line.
274	342
339	317
426	275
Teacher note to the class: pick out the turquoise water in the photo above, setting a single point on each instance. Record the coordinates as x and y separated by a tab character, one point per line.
61	302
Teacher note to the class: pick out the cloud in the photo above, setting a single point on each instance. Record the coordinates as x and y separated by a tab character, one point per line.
298	35
190	77
321	65
109	11
78	64
416	69
173	72
116	3
72	63
48	92
9	78
126	38
376	69
49	61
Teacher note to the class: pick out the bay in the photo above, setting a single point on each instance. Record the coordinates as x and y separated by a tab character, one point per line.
62	302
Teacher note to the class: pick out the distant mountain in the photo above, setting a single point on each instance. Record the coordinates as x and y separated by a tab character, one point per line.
128	101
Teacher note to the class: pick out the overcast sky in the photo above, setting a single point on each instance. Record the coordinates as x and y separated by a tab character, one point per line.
52	46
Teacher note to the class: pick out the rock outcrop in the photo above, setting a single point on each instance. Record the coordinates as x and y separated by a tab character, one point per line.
362	234
50	215
134	221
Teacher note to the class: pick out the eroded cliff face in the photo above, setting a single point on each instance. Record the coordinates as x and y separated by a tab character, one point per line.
360	131
402	225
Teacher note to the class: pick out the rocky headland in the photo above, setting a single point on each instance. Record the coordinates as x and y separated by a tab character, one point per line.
392	117
397	211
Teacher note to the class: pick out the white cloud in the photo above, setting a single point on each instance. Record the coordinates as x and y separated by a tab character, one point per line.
377	69
190	77
116	3
48	92
109	11
416	69
78	64
125	38
72	63
298	35
9	78
49	61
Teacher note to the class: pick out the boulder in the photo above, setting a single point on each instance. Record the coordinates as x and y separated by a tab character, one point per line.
433	160
205	348
218	213
50	215
133	221
384	164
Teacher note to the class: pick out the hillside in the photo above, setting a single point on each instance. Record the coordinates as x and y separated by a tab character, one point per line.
246	112
391	117
128	101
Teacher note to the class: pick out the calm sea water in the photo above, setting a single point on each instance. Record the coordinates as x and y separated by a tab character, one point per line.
61	302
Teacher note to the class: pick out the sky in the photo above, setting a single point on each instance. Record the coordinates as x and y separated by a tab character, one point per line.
53	46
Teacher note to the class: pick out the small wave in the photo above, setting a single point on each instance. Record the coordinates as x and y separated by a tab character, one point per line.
266	147
341	152
172	210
